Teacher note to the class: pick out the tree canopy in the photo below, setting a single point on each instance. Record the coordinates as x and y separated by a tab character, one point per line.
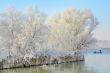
73	29
25	32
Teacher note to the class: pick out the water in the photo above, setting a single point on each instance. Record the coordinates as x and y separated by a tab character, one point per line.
94	63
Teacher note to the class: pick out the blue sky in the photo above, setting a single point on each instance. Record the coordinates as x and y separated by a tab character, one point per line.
100	9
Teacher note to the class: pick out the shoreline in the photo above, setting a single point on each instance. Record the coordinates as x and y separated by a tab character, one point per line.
43	61
39	65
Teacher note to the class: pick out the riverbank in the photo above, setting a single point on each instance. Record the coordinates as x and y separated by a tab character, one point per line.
11	63
91	64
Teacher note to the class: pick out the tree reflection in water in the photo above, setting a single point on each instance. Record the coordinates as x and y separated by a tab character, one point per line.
27	70
75	67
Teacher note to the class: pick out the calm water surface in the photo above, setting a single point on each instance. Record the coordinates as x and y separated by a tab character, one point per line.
94	63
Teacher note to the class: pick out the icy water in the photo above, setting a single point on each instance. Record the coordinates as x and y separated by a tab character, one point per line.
94	63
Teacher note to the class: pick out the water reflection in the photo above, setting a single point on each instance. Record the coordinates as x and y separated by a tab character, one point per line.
94	63
27	70
76	67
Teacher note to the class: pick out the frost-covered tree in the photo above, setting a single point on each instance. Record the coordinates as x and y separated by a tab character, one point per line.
34	33
72	29
10	25
24	32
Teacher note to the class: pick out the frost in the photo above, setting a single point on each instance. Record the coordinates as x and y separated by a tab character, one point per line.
72	29
26	35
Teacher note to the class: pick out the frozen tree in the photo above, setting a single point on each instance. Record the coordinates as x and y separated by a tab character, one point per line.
34	33
72	29
24	32
10	25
